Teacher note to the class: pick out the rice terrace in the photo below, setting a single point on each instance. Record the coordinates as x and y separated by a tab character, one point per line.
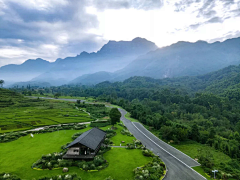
19	113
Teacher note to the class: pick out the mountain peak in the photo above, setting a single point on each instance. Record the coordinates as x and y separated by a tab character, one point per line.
38	60
137	45
84	53
139	39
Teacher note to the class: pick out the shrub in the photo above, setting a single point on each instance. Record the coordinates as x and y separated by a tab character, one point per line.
61	177
85	166
147	153
126	132
74	136
109	178
153	170
130	146
8	176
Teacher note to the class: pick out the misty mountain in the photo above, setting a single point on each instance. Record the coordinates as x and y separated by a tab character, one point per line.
25	71
225	82
111	57
184	59
92	79
180	59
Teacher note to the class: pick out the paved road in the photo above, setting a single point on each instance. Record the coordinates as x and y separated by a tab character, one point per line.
178	164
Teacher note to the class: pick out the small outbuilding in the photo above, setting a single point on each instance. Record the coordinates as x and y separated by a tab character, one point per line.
87	145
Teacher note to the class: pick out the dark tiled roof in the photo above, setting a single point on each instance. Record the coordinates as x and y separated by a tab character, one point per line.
91	138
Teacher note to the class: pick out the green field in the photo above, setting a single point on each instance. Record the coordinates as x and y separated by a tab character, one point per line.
17	156
32	113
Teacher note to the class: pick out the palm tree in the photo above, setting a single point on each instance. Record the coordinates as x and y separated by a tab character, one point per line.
1	82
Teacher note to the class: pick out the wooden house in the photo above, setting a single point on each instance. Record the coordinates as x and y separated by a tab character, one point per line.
87	145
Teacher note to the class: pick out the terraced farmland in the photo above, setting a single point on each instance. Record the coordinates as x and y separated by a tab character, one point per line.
19	113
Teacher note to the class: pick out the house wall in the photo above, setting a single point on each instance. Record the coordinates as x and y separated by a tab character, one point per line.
73	151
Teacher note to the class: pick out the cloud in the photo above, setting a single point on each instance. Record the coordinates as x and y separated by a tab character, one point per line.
51	29
215	20
66	25
136	4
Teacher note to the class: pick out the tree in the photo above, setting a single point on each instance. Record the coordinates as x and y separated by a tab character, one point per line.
57	95
194	135
1	82
115	116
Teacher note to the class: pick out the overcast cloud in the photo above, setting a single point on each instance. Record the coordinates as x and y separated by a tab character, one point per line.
59	28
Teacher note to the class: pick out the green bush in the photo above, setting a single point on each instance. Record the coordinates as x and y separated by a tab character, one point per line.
130	146
151	171
74	136
8	176
96	124
126	132
109	178
61	177
147	153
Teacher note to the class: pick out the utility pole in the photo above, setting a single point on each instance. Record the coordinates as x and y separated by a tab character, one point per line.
214	171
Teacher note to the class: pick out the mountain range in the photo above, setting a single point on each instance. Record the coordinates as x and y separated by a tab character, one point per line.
180	59
111	57
117	61
24	72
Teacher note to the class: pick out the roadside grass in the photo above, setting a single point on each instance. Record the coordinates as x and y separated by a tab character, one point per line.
191	149
128	116
34	113
200	170
17	157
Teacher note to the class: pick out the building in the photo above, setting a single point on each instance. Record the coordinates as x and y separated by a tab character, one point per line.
87	145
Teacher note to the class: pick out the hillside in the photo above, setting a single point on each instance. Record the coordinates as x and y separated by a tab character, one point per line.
222	82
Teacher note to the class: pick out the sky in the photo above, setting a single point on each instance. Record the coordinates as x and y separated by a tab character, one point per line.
51	29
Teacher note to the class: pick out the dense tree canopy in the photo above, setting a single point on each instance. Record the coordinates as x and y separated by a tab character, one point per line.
115	116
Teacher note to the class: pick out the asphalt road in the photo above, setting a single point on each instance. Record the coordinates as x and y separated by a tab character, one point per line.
178	164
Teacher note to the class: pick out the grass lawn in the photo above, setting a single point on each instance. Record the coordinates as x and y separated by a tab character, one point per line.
17	157
120	137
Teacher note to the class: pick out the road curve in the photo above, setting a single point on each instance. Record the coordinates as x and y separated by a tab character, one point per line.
178	164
